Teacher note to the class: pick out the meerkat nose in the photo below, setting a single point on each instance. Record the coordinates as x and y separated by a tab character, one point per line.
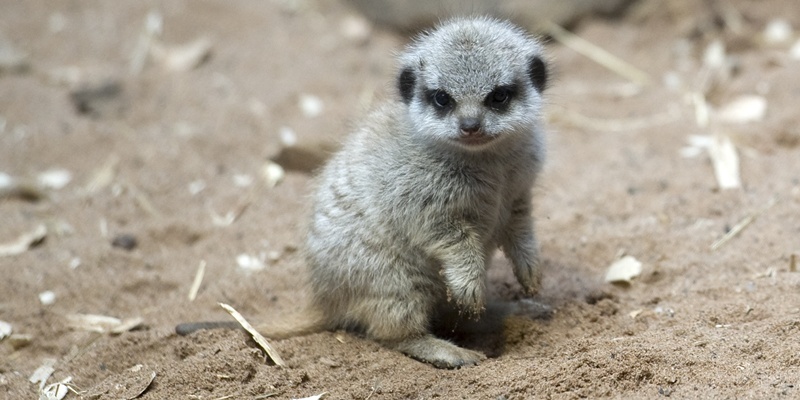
469	126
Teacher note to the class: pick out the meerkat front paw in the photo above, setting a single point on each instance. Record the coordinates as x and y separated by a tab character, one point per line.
529	276
469	296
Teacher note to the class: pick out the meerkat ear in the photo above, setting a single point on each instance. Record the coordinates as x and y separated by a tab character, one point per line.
406	83
537	71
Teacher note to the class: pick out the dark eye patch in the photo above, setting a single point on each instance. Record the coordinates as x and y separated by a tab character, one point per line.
405	83
440	100
500	98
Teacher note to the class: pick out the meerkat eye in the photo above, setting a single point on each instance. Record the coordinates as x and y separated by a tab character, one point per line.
441	99
499	98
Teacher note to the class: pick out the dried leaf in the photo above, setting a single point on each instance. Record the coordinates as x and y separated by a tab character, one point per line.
184	57
624	270
42	374
126	385
24	242
103	323
19	340
93	322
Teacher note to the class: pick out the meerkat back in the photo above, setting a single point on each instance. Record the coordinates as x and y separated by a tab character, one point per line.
408	213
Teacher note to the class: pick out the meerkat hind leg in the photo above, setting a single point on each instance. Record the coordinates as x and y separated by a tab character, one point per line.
439	352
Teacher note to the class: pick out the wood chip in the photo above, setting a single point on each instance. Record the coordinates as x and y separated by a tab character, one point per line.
793	263
104	176
5	330
744	109
19	340
261	340
635	313
624	270
315	397
198	280
725	160
24	242
57	390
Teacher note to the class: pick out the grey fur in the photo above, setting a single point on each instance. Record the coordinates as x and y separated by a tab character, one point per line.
408	213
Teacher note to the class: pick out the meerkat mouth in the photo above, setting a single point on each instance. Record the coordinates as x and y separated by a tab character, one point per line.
474	140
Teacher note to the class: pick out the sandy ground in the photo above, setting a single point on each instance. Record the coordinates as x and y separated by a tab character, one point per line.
157	153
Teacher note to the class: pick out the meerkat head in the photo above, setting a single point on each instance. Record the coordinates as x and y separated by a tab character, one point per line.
473	82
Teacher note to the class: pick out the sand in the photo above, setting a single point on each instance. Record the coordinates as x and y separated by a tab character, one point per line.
166	165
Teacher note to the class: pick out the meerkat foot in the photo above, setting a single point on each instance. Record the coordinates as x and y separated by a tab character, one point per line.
529	308
438	352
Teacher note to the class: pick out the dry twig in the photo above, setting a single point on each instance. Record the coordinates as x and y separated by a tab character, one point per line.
198	280
261	340
738	228
596	54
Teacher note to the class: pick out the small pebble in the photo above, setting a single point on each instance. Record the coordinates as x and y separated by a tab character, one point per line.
795	51
272	173
288	137
242	180
311	105
250	263
11	59
197	186
356	29
125	241
47	297
778	31
55	178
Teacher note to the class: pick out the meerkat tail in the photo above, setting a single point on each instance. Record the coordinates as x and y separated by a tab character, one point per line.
299	325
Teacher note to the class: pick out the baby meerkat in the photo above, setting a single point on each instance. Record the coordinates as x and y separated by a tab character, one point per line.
408	213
